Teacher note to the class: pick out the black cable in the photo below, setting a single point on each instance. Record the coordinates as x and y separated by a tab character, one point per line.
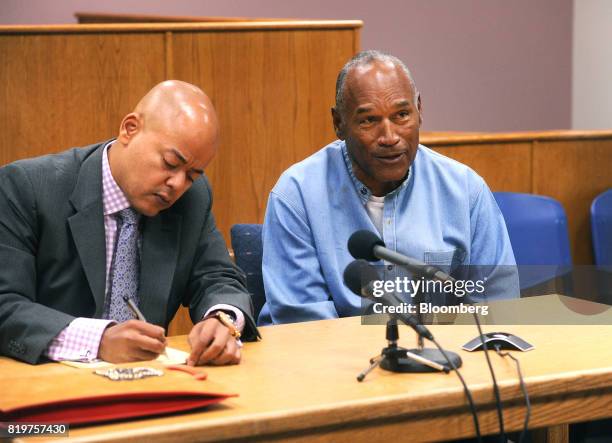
500	415
468	394
523	388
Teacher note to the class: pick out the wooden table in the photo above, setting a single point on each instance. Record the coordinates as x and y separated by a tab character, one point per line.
299	384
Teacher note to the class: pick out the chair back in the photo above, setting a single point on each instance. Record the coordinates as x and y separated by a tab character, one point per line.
248	249
601	228
537	226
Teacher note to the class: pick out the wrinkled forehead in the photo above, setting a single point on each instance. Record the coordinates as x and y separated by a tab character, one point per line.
376	79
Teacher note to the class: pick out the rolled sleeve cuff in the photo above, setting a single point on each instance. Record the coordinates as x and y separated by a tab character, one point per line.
79	341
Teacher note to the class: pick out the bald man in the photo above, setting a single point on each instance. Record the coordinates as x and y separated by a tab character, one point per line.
80	228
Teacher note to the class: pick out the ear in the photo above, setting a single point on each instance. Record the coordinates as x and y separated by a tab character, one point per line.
338	123
420	108
130	126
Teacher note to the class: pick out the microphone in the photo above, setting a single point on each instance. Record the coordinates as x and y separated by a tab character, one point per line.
359	271
368	246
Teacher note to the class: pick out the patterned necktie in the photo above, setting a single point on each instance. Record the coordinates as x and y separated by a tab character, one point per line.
125	270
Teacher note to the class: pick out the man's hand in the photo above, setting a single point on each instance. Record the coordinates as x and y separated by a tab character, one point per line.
212	343
133	340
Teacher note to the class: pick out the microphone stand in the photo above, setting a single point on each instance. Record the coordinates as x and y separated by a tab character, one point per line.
397	359
430	354
420	339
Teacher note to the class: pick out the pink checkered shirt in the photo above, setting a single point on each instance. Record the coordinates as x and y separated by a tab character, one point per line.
80	340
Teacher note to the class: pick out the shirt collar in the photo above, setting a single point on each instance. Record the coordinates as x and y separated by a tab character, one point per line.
114	200
362	190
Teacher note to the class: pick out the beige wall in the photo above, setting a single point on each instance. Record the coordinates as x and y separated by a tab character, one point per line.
592	65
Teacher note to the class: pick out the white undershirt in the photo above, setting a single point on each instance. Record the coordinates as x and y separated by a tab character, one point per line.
375	206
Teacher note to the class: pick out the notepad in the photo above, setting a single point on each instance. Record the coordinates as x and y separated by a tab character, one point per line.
173	357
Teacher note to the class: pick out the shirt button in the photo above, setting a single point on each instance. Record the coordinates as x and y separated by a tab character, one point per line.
364	191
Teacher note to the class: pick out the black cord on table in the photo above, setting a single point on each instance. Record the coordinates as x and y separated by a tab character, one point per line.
500	414
523	388
468	394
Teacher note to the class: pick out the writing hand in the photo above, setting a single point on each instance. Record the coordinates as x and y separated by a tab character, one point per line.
133	340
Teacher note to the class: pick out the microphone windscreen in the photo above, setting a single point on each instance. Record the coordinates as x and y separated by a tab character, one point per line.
361	245
358	274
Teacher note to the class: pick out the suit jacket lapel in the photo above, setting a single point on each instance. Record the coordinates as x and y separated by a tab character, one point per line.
87	225
160	244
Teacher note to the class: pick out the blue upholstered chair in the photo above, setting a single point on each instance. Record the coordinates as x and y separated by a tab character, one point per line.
601	228
248	249
537	226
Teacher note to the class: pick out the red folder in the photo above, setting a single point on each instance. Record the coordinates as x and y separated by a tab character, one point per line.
101	408
55	393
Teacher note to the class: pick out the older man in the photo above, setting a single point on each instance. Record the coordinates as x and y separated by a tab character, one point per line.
87	234
375	177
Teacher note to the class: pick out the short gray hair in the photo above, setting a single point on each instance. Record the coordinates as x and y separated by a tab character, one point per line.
365	58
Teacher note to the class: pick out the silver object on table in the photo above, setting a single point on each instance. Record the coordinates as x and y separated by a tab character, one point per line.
120	374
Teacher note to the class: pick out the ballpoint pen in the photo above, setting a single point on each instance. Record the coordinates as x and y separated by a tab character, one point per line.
138	314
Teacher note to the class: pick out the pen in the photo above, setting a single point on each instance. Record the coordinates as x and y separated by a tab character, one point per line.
134	308
137	313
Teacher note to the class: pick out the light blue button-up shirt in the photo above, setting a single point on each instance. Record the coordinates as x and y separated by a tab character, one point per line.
443	214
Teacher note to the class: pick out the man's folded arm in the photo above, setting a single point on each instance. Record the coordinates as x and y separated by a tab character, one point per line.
295	287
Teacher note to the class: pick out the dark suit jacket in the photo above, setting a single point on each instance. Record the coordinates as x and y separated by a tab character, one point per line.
52	253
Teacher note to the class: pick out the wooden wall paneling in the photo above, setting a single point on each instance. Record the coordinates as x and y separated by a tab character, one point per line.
169	55
324	54
273	92
504	166
574	172
230	68
63	90
356	40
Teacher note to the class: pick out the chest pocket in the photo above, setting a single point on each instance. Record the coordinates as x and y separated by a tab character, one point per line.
450	262
446	261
